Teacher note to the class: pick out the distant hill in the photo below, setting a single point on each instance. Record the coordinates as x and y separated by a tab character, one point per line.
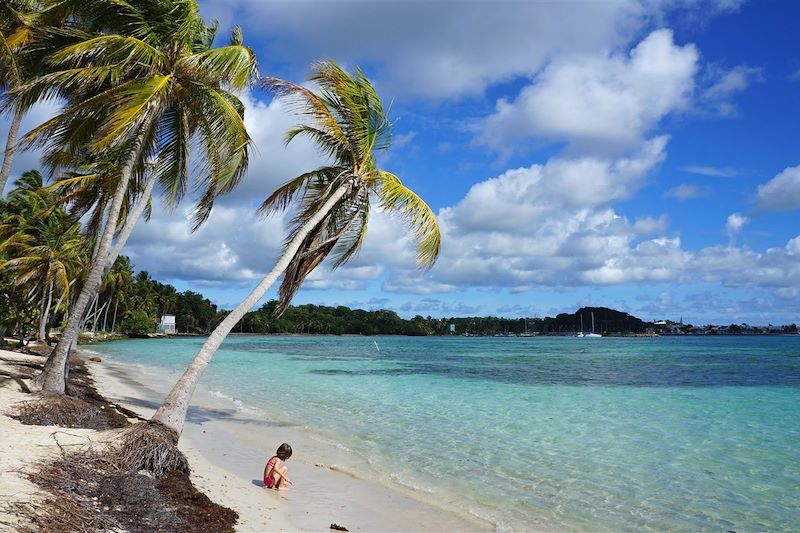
606	321
343	320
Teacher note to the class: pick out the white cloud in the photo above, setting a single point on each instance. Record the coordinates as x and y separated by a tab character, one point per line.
545	225
716	99
724	172
650	225
597	103
781	193
793	246
399	141
520	199
434	49
735	223
272	162
234	245
686	191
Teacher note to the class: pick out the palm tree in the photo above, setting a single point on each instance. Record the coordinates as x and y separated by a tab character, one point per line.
347	121
142	81
117	282
46	246
16	17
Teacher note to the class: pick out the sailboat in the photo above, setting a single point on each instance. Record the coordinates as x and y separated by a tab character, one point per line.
581	334
592	334
526	334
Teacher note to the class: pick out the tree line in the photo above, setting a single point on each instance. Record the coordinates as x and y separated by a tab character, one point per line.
44	255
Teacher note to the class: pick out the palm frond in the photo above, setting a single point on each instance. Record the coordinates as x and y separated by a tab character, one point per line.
172	163
304	102
134	102
399	199
122	51
284	195
234	66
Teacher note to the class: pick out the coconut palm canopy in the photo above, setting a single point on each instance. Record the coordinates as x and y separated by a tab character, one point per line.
144	66
144	90
347	122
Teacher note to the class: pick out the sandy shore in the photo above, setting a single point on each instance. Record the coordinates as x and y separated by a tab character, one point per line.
227	448
22	446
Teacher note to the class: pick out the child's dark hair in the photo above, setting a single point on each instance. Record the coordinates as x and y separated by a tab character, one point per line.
284	451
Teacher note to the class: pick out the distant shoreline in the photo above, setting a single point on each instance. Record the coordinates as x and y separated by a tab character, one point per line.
472	336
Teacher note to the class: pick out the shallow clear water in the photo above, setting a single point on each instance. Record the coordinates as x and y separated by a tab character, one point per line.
671	433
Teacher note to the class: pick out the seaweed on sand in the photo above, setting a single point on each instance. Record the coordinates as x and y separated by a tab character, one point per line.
81	407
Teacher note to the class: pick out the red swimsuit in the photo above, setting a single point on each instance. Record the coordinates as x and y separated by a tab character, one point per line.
269	480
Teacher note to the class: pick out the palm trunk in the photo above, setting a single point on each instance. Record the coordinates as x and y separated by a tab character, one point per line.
54	376
89	313
61	299
172	412
11	142
45	314
96	317
20	325
133	217
108	307
114	321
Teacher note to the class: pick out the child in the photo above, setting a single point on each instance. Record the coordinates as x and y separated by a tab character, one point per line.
275	471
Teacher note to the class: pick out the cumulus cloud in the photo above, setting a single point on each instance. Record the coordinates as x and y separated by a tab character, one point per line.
520	199
547	225
650	225
233	246
272	162
686	191
781	193
599	103
734	224
430	49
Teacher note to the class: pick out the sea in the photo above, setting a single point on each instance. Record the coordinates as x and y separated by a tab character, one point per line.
694	433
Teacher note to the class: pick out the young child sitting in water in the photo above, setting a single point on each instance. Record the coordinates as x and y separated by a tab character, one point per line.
275	471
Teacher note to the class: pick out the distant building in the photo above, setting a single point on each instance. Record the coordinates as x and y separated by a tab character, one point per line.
452	328
167	325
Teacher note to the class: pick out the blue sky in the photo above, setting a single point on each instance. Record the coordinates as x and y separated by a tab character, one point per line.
636	154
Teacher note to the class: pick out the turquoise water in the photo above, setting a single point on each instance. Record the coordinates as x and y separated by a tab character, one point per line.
690	434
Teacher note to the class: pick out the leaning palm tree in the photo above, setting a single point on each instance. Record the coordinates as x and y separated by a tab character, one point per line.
347	121
141	80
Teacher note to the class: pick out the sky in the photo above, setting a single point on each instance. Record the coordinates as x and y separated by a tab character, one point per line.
642	155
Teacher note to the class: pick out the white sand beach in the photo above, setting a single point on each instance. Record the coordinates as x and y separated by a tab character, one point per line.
227	448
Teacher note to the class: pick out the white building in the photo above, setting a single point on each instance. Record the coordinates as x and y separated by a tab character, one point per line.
167	325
